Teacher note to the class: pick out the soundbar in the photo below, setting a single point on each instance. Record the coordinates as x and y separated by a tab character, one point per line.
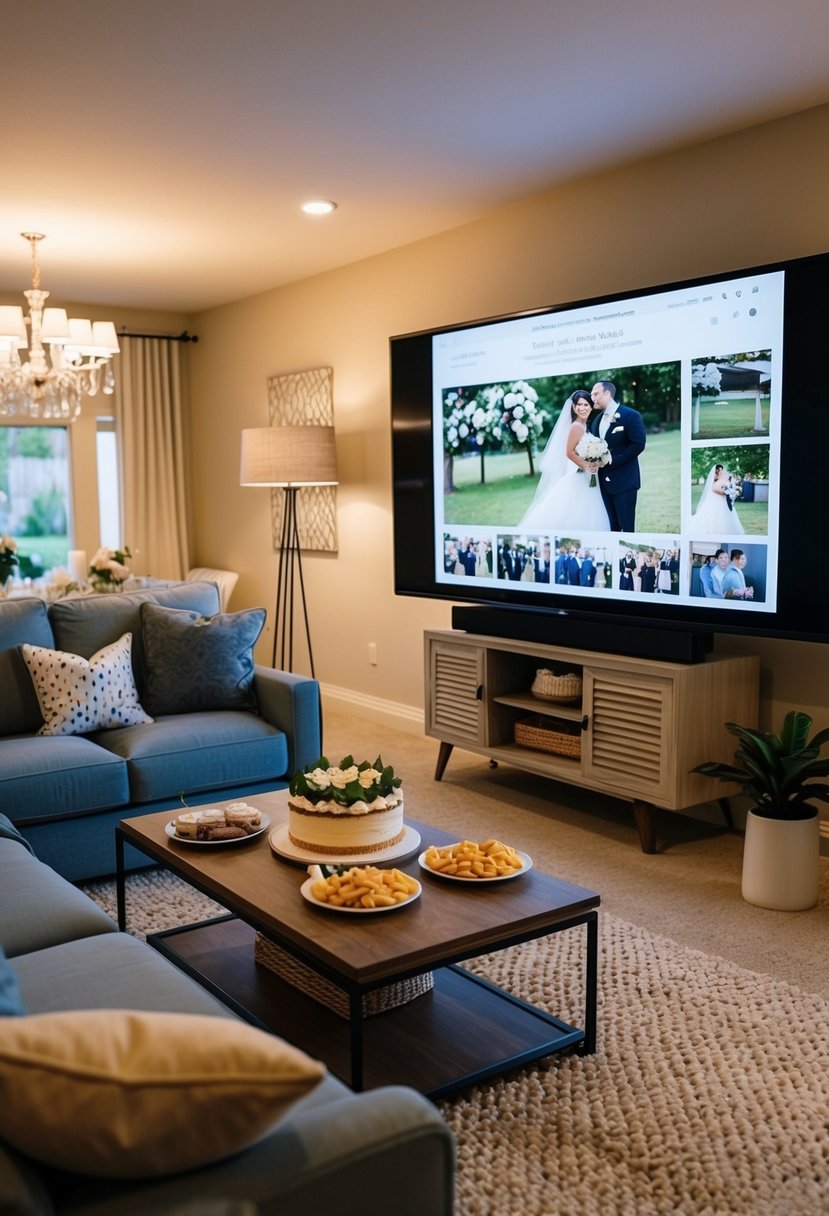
635	641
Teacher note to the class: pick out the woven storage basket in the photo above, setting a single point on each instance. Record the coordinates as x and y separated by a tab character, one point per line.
536	733
547	686
290	969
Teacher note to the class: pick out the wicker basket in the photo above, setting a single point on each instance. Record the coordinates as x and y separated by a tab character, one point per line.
547	686
290	969
536	732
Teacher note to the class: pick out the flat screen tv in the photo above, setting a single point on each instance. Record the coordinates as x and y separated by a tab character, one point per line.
711	515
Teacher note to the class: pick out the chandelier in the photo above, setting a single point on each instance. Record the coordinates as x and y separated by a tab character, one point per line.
78	363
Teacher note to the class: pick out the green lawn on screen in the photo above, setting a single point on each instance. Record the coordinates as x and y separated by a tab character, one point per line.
731	419
509	489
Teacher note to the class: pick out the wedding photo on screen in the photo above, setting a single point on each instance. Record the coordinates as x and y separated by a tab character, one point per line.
615	452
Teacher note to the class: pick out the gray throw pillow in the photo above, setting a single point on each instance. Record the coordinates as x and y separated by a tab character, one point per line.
199	662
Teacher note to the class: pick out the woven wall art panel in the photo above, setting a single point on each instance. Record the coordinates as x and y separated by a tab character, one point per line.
305	399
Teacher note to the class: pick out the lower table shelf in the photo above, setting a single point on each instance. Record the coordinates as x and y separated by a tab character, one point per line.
460	1033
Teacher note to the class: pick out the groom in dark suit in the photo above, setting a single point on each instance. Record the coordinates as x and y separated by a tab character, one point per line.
624	433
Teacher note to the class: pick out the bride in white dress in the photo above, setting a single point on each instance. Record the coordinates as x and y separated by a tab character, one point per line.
712	513
564	499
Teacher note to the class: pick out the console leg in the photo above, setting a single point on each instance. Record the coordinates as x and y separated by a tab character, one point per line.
444	752
725	807
644	813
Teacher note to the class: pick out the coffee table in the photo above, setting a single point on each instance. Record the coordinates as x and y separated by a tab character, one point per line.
463	1031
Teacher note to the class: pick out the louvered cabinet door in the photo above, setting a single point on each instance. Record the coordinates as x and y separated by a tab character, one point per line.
628	746
454	709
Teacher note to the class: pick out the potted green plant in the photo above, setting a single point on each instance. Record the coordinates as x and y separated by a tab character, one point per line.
781	857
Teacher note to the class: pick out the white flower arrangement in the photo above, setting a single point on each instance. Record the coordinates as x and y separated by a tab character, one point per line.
495	413
520	411
593	450
706	378
108	569
464	419
346	782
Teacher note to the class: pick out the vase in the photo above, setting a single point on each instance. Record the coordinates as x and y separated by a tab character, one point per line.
781	862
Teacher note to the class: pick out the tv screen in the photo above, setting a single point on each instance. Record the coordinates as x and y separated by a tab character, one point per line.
651	456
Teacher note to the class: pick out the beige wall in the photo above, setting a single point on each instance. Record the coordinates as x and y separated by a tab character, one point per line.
755	197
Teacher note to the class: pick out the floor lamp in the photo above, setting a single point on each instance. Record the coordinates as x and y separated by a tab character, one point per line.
289	457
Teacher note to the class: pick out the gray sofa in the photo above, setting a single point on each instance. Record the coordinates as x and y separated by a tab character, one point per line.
66	793
385	1150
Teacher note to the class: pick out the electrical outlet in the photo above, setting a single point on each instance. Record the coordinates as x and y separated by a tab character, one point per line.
372	653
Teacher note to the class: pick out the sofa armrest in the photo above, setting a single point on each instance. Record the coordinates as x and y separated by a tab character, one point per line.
390	1136
21	1192
383	1151
291	703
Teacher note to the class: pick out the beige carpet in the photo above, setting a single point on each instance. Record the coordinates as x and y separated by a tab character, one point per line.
709	1093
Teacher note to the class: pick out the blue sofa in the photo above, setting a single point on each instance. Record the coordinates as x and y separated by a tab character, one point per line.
67	793
385	1150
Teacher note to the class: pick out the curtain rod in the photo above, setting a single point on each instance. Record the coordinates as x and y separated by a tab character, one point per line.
182	337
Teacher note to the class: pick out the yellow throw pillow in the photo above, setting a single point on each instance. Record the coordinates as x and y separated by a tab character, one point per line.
116	1093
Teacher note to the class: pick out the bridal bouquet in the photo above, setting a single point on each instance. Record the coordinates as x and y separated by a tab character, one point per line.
594	450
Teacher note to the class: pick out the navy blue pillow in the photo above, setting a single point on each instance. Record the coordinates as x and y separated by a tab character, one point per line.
11	1006
199	662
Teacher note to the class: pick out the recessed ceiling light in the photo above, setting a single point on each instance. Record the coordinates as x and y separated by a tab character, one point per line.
319	206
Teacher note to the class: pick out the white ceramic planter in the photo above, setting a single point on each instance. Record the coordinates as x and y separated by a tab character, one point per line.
781	862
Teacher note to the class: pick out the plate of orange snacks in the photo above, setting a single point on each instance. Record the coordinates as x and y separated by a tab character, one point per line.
471	862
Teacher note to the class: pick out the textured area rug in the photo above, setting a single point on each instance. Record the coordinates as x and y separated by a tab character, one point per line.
709	1092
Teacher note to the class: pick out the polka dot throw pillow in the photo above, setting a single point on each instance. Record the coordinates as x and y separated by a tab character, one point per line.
78	696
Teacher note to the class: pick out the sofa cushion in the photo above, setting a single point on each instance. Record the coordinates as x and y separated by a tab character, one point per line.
38	908
11	1002
123	1094
199	751
43	779
78	696
86	623
20	621
109	971
196	662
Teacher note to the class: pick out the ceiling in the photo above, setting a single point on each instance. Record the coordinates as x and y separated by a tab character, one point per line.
164	146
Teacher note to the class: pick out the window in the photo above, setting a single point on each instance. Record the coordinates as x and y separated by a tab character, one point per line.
109	498
35	495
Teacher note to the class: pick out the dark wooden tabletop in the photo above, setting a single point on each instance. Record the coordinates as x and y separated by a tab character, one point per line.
449	922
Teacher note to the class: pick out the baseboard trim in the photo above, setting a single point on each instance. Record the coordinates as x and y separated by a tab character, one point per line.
391	713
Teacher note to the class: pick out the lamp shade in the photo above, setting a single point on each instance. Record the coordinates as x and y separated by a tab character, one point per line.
55	328
12	325
288	456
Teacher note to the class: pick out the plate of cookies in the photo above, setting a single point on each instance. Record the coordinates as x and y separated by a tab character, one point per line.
236	824
470	862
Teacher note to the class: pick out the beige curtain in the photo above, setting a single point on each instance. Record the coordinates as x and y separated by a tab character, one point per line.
151	429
